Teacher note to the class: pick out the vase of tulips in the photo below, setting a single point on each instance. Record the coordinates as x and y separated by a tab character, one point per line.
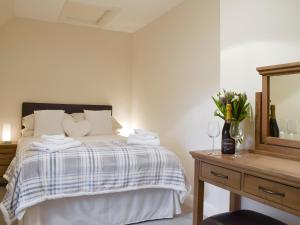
240	109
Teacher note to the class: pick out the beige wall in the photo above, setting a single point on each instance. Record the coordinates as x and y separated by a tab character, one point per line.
47	62
257	33
6	11
175	72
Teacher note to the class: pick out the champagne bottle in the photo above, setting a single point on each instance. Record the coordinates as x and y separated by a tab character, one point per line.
228	143
274	130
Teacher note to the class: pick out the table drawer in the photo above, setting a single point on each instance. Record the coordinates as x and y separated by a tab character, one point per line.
273	191
5	159
2	170
8	151
227	177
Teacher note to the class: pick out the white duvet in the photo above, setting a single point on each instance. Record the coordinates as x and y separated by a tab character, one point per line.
102	164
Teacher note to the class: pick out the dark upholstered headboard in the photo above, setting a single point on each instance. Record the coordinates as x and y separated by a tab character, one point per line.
29	107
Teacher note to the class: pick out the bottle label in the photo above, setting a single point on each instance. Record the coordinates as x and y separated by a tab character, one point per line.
228	146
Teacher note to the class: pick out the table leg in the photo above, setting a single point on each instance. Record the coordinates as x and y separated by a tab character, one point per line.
198	196
235	202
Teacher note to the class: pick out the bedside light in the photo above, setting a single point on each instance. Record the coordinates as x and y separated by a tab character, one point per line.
6	133
126	130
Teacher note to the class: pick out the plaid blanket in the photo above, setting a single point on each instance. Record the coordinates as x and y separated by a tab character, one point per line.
93	168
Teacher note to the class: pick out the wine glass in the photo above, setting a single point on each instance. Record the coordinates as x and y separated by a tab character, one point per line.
236	132
292	128
282	128
213	131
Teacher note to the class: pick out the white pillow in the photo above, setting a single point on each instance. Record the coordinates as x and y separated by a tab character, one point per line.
76	129
48	122
101	121
80	116
28	122
27	132
115	124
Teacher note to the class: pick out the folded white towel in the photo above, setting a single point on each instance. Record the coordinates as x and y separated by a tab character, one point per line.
145	133
58	141
135	140
143	138
53	137
39	146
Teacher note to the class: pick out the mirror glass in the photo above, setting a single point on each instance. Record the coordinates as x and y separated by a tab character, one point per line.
285	95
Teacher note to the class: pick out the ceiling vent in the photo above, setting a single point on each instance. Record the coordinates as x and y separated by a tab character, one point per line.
86	14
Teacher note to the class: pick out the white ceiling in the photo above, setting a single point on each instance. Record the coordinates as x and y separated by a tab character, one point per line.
116	15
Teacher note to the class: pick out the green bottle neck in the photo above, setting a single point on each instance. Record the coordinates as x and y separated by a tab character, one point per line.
273	114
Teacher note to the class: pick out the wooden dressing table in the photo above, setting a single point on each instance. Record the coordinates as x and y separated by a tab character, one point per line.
269	174
267	179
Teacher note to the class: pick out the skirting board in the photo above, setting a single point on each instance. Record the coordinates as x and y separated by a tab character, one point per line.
189	201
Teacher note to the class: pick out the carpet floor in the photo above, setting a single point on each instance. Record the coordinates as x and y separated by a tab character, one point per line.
184	219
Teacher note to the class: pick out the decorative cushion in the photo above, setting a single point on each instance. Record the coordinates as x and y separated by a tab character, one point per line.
76	129
241	217
101	121
48	122
78	116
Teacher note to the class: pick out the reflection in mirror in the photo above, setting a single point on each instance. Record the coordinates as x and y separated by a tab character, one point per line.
285	95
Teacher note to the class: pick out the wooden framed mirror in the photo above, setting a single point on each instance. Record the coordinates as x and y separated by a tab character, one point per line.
281	88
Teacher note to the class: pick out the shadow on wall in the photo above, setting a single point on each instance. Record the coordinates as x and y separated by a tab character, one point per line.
247	58
189	133
238	72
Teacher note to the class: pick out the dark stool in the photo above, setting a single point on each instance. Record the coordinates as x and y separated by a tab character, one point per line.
241	217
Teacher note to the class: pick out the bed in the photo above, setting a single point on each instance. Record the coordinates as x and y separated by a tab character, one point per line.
106	195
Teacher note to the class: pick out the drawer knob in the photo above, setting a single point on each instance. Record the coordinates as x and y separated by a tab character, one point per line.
268	191
218	175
